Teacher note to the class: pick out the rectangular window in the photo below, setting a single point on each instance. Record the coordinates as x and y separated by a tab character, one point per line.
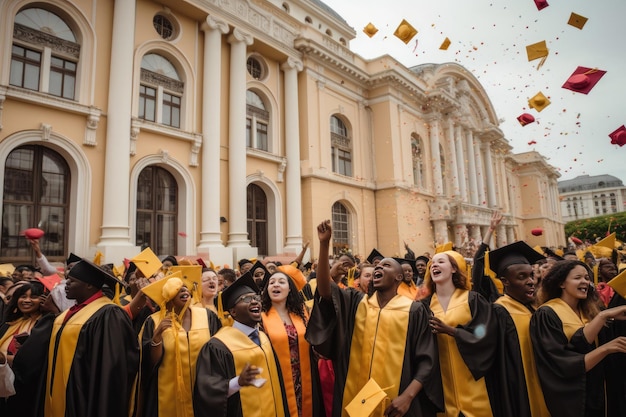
147	103
261	136
25	68
344	162
171	110
62	78
248	132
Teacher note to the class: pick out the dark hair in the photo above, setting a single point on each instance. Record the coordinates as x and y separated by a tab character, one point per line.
551	286
349	256
12	311
4	280
294	302
228	274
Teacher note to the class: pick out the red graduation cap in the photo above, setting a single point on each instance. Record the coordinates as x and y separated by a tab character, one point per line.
583	79
541	4
201	262
33	233
576	240
50	281
618	137
538	231
525	119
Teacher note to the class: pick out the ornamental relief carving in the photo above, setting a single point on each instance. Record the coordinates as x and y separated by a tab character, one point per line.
36	37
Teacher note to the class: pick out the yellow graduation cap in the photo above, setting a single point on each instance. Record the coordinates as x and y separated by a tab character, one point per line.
608	242
118	271
97	259
370	30
619	283
192	277
147	262
160	293
444	247
405	31
604	248
577	20
6	270
445	44
539	102
539	249
537	50
372	399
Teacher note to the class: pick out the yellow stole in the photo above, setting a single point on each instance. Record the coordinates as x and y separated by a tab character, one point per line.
461	392
408	290
521	318
61	355
572	321
171	402
313	286
275	329
379	337
266	401
20	325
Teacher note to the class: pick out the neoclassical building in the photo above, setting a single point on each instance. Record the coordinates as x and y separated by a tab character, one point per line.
231	128
589	196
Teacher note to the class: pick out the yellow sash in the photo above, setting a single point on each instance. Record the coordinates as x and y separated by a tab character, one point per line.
61	355
521	318
408	290
572	321
266	401
379	337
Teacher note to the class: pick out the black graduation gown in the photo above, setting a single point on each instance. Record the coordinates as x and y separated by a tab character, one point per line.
615	364
330	331
29	365
104	366
568	390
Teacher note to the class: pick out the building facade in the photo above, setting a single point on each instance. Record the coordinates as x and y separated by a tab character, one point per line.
231	128
590	196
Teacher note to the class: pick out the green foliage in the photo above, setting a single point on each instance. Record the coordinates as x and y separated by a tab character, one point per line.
595	227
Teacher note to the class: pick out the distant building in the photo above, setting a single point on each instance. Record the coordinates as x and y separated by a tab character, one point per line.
590	196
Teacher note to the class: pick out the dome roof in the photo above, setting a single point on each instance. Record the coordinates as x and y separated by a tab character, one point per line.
586	182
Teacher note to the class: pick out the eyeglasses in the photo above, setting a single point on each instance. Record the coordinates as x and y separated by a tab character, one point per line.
248	299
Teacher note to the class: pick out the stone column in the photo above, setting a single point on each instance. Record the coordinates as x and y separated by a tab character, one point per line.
471	165
460	234
453	160
115	238
460	162
436	157
440	227
292	150
480	174
238	229
501	236
490	177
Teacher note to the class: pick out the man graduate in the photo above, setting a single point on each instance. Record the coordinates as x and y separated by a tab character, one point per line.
236	373
518	386
385	338
93	354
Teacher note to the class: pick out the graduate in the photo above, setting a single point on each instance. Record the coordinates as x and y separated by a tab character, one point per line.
563	331
236	372
407	287
384	338
93	354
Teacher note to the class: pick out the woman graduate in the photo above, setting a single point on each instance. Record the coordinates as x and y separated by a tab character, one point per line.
563	332
466	336
284	320
170	342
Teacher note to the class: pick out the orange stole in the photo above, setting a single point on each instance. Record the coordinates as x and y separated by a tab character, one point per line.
275	329
408	290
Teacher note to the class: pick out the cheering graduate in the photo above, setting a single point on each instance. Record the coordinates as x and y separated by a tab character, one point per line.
383	338
171	340
563	331
93	354
236	372
466	336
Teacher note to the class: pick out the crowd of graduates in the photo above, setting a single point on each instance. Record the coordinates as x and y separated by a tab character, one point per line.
513	331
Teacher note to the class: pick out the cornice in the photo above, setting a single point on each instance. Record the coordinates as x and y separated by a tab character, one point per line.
321	53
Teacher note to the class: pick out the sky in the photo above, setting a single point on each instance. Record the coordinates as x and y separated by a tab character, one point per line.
489	39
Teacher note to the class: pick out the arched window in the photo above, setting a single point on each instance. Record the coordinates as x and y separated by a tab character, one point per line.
257	122
341	147
36	194
417	158
160	91
45	53
257	218
444	169
157	211
341	228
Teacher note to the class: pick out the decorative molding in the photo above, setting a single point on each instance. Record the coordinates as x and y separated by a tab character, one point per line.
195	151
239	35
46	130
292	63
3	98
165	155
35	37
135	129
46	100
281	171
91	127
168	83
215	23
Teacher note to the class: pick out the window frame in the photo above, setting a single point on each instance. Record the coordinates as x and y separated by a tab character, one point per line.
341	147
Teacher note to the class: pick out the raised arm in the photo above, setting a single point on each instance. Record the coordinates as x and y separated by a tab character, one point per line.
324	232
298	260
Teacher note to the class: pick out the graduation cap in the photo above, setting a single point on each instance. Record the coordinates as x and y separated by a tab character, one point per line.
147	262
537	50
618	136
92	274
583	79
619	283
244	285
369	399
445	44
445	247
165	289
541	4
513	254
374	255
192	277
6	270
405	31
50	281
538	102
72	259
370	30
577	20
266	274
294	274
410	262
32	233
552	254
525	119
426	259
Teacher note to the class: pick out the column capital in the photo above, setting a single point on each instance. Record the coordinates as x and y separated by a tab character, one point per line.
214	23
292	63
240	36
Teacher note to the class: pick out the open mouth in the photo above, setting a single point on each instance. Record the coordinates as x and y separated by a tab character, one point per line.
255	308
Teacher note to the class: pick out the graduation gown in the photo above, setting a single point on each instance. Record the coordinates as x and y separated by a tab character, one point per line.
560	347
615	364
222	358
92	363
158	388
392	345
466	358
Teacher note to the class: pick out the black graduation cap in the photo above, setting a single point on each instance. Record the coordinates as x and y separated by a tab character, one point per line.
515	253
423	258
72	259
408	261
244	285
266	274
92	274
374	254
550	254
